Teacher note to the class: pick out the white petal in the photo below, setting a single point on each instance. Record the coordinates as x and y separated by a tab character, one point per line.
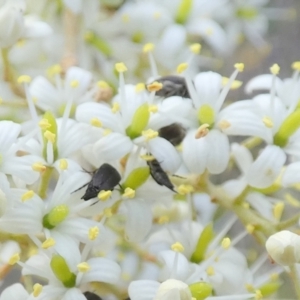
87	111
9	133
195	152
73	294
266	167
113	146
139	220
165	153
143	289
8	249
262	204
262	82
74	5
291	174
14	292
35	28
218	154
103	270
242	156
234	187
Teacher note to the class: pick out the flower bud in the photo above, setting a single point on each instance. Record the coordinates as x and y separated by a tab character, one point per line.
173	289
284	247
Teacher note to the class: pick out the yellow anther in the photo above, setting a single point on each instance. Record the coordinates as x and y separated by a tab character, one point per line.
116	107
223	124
140	87
83	267
210	271
24	79
274	276
296	65
157	15
268	122
147	157
37	289
149	47
14	259
50	136
102	84
185	189
120	67
38	167
250	228
234	85
163	220
240	67
129	193
153	108
250	288
50	242
54	70
195	48
275	69
63	164
226	242
292	200
258	295
154	86
202	131
149	134
96	122
104	195
125	18
278	210
44	124
27	195
181	68
177	247
93	233
108	212
74	83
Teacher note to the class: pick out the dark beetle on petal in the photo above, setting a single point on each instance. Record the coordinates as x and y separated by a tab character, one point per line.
173	133
173	86
159	175
91	296
105	178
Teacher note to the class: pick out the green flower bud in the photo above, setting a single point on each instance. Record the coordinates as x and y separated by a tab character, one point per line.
206	115
200	290
55	216
184	10
136	178
270	288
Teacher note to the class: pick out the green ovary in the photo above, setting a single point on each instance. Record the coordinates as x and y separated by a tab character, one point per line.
206	115
55	216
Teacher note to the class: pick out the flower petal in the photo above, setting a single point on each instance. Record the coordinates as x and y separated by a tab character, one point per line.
143	289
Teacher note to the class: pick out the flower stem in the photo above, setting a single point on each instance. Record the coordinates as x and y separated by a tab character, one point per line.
252	142
45	182
295	278
288	223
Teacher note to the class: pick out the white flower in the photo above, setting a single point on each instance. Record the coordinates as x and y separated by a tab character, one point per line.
283	247
173	289
14	292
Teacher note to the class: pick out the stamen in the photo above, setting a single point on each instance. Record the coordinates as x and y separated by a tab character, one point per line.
268	122
195	48
50	136
185	189
149	134
202	131
63	164
38	167
37	289
154	86
147	157
278	210
24	79
224	124
93	233
108	212
258	295
27	195
54	70
163	220
129	193
50	242
296	65
44	124
104	195
181	68
120	67
177	247
153	108
234	85
83	267
210	271
148	48
74	83
275	69
226	242
102	84
140	87
116	107
14	259
96	122
250	228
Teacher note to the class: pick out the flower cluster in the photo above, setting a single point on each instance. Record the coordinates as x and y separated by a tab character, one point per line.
155	190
